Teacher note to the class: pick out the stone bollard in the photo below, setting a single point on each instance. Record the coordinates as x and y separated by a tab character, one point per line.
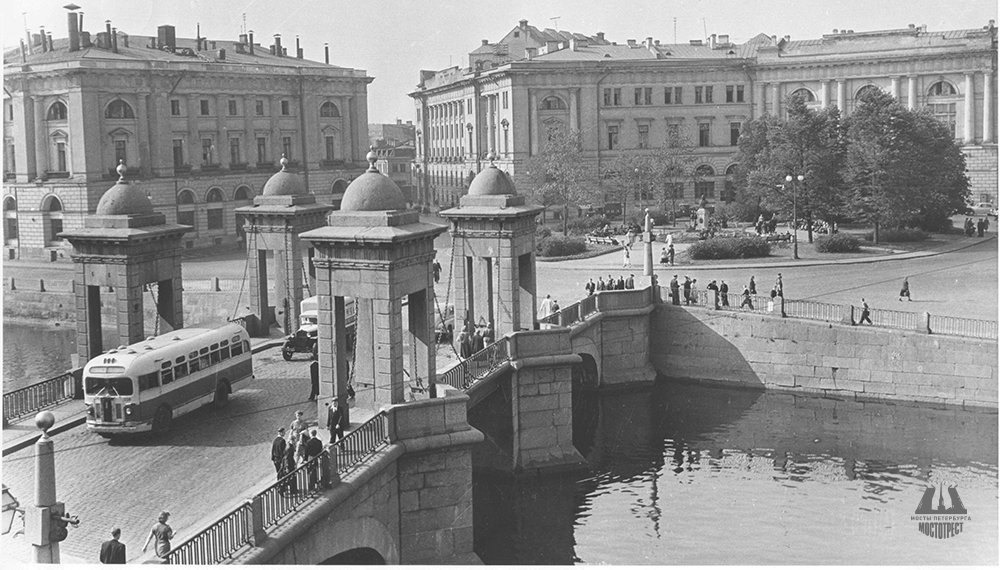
257	519
41	285
925	325
215	284
12	286
847	314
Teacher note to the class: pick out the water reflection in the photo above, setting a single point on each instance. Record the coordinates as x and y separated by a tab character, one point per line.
34	352
683	473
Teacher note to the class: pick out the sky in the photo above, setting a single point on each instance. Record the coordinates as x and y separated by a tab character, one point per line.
392	40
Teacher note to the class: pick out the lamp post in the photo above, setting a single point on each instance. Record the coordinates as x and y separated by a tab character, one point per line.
795	218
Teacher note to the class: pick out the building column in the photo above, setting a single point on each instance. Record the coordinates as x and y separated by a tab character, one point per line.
911	92
193	136
775	99
762	98
987	107
574	105
387	320
41	138
969	135
533	122
894	87
276	130
824	94
842	97
143	135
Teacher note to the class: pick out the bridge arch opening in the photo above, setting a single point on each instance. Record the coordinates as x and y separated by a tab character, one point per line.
586	405
358	541
356	557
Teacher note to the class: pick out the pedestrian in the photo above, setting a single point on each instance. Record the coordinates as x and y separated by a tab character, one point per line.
278	451
313	380
724	293
464	346
715	293
670	240
687	290
590	287
865	312
436	268
626	257
986	224
663	255
620	284
630	282
314	447
600	283
904	291
779	287
747	301
675	296
297	425
300	448
752	286
980	227
545	307
630	237
290	466
477	336
770	302
335	421
488	334
670	253
555	309
113	551
162	533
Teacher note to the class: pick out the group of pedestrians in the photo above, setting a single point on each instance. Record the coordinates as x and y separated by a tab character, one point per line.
473	339
686	290
978	228
113	551
299	446
611	284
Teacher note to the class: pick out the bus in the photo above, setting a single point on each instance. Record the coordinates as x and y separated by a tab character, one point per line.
144	386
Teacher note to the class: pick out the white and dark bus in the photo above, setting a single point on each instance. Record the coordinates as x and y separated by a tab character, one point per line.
143	386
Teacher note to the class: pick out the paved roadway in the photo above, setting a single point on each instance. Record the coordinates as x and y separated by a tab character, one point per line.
209	460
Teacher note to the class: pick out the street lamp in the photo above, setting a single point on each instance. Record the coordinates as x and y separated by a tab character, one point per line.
11	508
795	218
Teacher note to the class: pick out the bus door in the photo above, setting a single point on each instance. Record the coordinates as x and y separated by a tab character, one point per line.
107	410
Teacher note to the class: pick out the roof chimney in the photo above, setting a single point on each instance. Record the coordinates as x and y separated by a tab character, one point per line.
572	44
24	53
250	34
107	30
530	52
649	41
523	24
600	36
711	41
52	46
27	35
125	38
166	36
197	37
326	53
486	42
724	39
114	39
631	43
74	27
243	38
85	40
277	45
45	45
298	50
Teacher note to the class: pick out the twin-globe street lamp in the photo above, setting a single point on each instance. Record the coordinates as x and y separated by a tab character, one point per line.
795	218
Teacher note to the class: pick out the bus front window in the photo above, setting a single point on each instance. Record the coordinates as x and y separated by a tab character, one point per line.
120	386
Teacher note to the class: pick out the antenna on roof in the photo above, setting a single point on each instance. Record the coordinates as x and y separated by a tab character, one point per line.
675	29
244	23
704	27
555	22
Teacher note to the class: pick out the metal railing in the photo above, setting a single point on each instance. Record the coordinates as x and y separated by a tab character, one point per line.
468	371
25	401
895	319
963	327
814	310
267	508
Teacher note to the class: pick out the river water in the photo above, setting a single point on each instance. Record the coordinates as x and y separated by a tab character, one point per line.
689	474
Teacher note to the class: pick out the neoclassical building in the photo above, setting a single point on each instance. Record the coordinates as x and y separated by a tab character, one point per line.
200	123
633	96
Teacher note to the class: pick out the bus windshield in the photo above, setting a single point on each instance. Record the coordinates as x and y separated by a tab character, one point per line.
121	386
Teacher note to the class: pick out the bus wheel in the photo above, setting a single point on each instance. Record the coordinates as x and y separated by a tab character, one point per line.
161	421
221	395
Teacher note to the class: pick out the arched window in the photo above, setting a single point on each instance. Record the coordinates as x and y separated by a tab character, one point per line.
119	109
731	170
804	94
866	90
214	195
9	203
242	193
185	197
553	104
57	112
941	89
51	204
328	109
705	170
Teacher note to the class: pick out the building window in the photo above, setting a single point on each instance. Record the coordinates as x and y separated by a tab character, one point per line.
185	197
178	152
730	94
944	112
942	88
286	147
698	94
119	109
673	135
261	150
668	93
505	100
175	107
612	137
207	151
804	94
10	112
677	96
214	216
242	194
643	95
259	108
708	93
285	107
329	109
61	156
703	134
204	107
121	154
186	218
329	147
704	188
643	136
234	151
57	112
612	97
232	107
739	93
55	228
734	134
553	104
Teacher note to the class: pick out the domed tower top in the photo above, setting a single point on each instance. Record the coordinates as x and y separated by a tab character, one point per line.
372	191
491	181
124	199
284	183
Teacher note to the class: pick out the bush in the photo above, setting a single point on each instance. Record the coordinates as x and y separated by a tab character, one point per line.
730	248
560	246
542	232
899	235
838	243
583	226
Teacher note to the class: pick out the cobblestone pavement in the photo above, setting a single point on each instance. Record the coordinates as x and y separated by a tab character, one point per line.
210	459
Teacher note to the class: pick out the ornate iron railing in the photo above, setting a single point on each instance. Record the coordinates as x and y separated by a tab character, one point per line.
814	310
30	399
895	319
963	327
362	442
217	542
468	371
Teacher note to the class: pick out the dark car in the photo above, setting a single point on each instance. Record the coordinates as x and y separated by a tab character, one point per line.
301	341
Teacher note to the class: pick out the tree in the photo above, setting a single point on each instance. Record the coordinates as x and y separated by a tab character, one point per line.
674	165
630	174
561	174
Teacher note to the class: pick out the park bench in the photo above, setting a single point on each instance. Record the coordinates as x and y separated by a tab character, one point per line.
778	237
607	240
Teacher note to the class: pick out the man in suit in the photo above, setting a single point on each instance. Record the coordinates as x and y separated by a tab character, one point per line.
314	447
112	551
334	422
278	451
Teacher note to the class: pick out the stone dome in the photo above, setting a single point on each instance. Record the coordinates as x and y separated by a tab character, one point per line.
372	191
124	199
491	182
284	183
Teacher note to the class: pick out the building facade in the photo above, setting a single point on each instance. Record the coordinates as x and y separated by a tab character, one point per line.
634	96
200	124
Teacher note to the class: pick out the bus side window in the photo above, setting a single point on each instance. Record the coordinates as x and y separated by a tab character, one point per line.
147	381
236	349
166	376
246	346
224	349
204	361
180	370
194	364
216	354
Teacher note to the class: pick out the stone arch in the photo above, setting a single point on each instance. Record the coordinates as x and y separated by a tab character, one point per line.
9	204
118	109
339	186
866	89
356	557
704	170
185	196
214	194
552	103
329	541
942	88
242	193
329	109
731	169
51	203
589	373
57	112
805	94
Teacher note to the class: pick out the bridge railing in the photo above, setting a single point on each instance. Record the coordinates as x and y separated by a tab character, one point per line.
896	319
30	399
247	523
468	371
976	328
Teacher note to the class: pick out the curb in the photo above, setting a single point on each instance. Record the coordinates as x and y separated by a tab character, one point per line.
67	424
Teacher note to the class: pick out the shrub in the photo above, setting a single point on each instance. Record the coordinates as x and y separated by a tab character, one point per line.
730	248
582	226
542	232
838	243
899	235
553	246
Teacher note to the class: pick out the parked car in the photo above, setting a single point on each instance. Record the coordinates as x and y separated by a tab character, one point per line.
993	212
301	341
982	209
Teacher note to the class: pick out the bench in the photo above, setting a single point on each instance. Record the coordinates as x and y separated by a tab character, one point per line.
778	237
602	240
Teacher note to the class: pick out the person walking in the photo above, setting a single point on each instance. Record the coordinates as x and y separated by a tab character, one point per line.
779	287
290	466
724	293
600	283
477	334
630	281
715	293
626	258
752	286
313	380
278	452
904	291
865	312
670	254
162	533
436	268
314	447
687	290
770	302
297	426
113	551
590	287
335	422
747	300
980	227
545	307
675	296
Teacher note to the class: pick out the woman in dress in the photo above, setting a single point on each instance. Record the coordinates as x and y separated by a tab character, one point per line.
162	533
290	465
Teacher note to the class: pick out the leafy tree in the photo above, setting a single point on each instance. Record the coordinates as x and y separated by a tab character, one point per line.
561	174
674	165
630	174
